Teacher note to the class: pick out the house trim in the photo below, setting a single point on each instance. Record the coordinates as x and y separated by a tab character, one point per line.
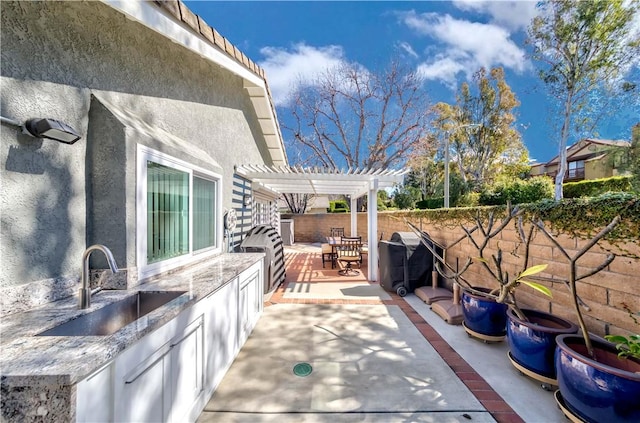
152	16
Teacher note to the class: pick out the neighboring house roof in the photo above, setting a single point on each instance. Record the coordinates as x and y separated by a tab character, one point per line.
176	22
580	148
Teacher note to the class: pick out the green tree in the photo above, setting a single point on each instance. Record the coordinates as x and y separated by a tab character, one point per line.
481	129
405	197
383	200
582	45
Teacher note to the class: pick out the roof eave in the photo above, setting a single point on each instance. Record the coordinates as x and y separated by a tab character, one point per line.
176	22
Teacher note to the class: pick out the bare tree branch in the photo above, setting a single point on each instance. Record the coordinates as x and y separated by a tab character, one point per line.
359	119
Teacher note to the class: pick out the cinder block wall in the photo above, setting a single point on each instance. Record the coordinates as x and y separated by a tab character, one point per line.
316	227
605	292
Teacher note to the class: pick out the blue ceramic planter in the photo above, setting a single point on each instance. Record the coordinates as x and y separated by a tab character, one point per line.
483	315
607	390
533	343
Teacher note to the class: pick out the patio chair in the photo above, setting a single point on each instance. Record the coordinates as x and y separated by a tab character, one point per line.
348	254
337	232
328	255
364	250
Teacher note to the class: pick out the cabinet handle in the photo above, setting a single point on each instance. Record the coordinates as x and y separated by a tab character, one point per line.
145	366
250	279
190	329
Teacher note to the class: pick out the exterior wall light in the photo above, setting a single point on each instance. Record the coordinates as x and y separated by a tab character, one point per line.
46	128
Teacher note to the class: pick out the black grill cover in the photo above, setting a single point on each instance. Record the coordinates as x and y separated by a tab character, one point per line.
392	264
404	260
266	239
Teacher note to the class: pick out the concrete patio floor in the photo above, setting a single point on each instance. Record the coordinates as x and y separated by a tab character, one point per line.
374	357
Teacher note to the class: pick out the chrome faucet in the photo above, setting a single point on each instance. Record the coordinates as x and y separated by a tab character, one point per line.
85	291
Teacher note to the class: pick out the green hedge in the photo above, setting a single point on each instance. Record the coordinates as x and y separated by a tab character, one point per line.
595	187
338	206
579	217
517	191
430	203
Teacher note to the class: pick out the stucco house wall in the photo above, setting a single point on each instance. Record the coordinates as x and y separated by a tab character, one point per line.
598	163
119	84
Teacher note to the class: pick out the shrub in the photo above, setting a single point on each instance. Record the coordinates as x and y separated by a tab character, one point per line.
595	187
338	206
405	197
430	203
517	191
470	199
404	200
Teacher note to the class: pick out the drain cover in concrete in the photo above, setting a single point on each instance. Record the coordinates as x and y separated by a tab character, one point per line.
302	369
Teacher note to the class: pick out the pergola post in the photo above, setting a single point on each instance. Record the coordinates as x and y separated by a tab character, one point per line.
372	230
354	216
354	183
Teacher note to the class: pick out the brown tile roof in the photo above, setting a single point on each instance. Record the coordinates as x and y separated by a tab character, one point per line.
579	145
181	12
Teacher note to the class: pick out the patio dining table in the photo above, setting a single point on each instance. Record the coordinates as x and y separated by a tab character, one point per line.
335	242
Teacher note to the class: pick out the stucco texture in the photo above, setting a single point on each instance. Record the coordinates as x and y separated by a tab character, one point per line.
86	64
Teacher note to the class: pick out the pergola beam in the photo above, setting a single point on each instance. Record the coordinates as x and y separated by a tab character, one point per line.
326	181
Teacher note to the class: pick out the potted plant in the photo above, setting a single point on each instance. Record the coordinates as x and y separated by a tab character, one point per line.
485	308
531	334
491	314
532	343
598	380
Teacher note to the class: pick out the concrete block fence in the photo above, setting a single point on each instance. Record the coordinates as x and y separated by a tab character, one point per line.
605	293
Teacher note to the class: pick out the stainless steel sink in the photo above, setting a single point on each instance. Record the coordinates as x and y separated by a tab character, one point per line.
111	318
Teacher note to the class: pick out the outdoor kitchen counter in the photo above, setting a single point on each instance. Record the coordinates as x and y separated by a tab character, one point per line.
28	360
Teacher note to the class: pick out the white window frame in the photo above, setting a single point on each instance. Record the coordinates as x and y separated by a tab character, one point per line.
145	269
263	206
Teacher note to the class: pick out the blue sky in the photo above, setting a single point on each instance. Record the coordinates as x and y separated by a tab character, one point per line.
445	41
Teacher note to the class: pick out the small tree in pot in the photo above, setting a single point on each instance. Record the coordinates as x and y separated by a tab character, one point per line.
484	308
491	313
598	380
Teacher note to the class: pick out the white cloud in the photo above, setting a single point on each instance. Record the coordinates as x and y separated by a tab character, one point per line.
466	46
515	15
300	65
408	49
444	69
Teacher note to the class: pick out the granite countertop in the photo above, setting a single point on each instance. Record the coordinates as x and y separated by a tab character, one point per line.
26	359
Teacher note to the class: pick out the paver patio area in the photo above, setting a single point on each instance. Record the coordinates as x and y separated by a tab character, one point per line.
374	358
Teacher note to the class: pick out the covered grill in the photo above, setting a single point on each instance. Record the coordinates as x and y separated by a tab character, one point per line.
266	239
405	263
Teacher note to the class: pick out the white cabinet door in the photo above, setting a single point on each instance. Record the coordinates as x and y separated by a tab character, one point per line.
160	378
243	314
94	396
187	376
221	333
142	393
249	300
